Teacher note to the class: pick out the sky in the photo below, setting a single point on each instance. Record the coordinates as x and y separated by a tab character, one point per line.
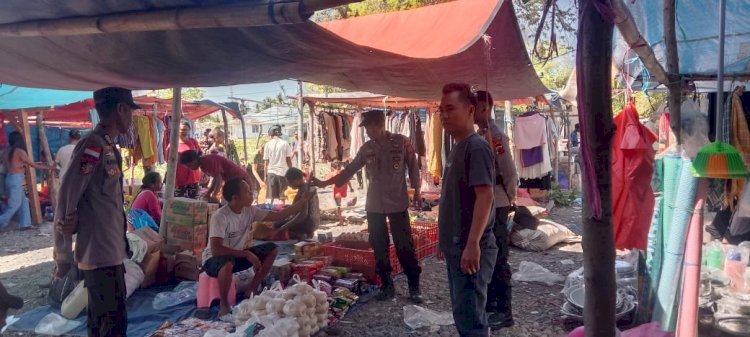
250	91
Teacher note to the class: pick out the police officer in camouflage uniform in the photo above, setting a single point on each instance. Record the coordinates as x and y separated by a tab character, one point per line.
90	205
388	158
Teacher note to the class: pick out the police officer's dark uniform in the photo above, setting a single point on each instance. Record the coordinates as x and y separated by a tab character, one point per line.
92	190
387	163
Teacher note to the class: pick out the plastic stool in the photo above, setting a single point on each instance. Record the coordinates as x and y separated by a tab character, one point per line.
208	290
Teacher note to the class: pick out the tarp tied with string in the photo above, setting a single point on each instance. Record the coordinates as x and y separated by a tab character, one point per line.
407	54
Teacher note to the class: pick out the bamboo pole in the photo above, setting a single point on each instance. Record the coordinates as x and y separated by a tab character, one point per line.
44	145
593	61
629	31
226	131
244	138
36	208
673	70
255	14
300	126
174	140
311	134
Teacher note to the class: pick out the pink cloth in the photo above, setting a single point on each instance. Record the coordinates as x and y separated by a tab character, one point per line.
530	131
215	165
149	202
184	175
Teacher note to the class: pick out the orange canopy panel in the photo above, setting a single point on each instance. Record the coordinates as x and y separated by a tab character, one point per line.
406	54
429	33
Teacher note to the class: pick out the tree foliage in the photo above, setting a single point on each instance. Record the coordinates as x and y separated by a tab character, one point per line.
272	101
367	7
187	93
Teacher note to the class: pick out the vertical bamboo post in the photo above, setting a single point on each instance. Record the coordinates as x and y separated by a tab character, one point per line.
226	130
594	63
174	139
36	209
673	70
44	145
509	127
311	135
244	138
300	128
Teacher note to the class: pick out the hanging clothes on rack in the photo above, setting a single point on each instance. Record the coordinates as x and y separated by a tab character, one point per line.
357	135
740	139
532	150
142	128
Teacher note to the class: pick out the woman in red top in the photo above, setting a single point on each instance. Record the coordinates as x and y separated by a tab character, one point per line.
147	199
186	180
217	167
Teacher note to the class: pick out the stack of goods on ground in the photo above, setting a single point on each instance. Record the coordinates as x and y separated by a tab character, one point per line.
187	224
724	302
627	283
529	231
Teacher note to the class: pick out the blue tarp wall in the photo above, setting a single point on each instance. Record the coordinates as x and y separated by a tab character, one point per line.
697	27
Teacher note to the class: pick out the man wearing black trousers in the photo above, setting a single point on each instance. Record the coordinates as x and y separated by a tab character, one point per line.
388	157
499	309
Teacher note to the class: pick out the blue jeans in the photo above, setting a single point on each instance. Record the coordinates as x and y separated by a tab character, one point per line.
469	292
17	202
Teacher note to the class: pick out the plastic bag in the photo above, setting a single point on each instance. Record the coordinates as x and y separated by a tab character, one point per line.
186	291
216	333
139	219
417	317
55	325
133	277
532	272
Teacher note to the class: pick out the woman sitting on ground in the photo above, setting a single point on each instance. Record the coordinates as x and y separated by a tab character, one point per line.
146	199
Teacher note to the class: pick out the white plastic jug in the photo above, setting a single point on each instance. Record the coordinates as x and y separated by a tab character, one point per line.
77	300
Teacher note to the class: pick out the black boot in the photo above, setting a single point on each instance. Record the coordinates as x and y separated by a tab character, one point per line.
387	290
415	295
499	320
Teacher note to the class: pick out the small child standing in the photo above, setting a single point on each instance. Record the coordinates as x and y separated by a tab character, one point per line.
339	191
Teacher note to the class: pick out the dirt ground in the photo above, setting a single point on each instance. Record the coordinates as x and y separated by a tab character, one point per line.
26	263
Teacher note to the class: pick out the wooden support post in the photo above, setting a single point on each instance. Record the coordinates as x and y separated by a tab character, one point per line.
174	140
226	130
36	209
594	63
509	127
44	146
300	126
673	70
311	136
244	138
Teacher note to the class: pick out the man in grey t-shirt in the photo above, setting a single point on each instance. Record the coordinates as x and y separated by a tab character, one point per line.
465	220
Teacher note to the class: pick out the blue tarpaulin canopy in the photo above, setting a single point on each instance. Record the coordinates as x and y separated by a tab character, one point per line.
13	97
697	27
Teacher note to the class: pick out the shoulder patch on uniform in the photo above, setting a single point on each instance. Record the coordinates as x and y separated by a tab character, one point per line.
497	144
92	152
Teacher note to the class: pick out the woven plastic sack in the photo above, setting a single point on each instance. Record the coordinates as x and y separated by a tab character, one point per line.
547	234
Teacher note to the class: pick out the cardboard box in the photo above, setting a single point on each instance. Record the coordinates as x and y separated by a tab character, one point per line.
186	206
149	265
187	220
187	267
152	238
193	238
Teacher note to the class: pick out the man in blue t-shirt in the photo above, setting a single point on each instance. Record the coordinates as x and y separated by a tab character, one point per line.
466	232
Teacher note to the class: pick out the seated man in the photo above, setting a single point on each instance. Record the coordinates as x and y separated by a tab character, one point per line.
230	237
303	225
